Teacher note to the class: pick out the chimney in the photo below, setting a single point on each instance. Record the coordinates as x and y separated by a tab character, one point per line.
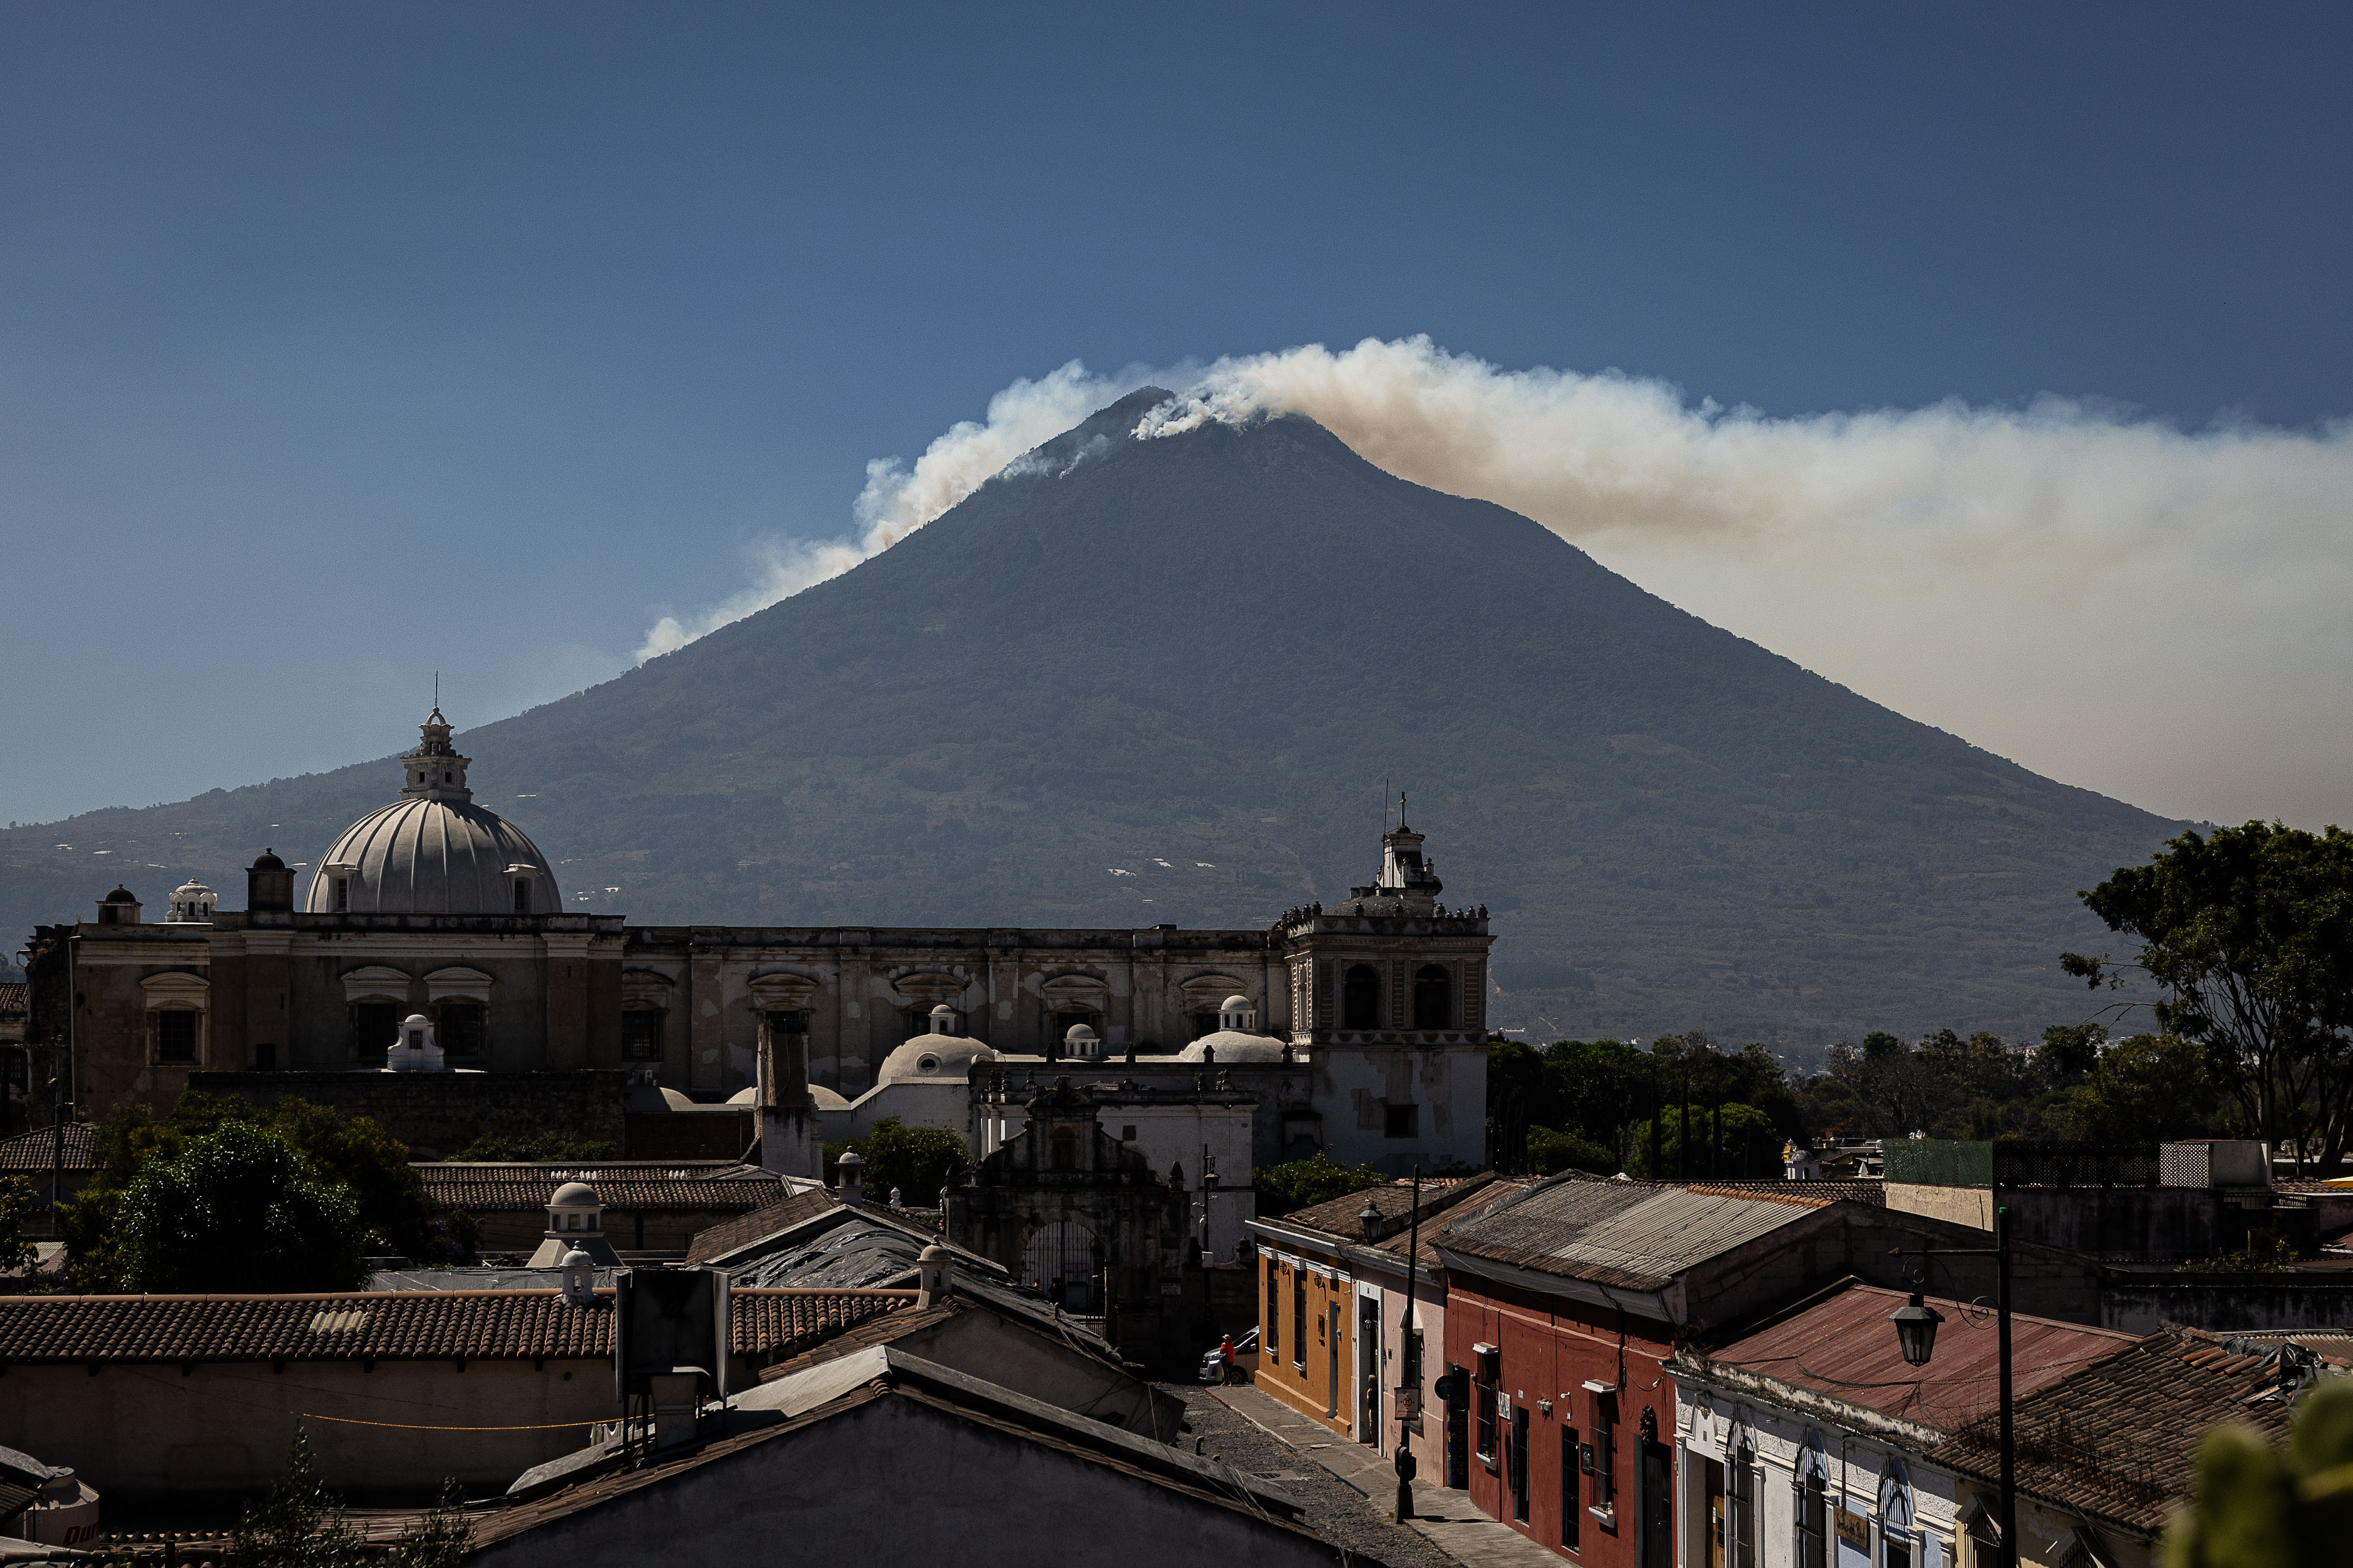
932	1277
852	1171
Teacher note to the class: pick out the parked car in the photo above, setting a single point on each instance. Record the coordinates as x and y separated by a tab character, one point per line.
1245	1357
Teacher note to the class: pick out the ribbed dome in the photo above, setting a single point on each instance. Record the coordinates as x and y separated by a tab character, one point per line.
433	857
434	851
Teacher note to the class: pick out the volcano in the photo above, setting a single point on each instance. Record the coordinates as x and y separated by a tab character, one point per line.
1181	679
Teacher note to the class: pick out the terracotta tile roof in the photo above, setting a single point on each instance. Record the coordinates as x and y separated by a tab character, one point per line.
1840	1345
1635	1235
409	1325
654	1185
1337	1216
728	1235
13	995
32	1152
1872	1193
2117	1441
880	1331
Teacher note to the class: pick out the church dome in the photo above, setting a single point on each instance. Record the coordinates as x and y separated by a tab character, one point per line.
1232	1046
934	1058
433	851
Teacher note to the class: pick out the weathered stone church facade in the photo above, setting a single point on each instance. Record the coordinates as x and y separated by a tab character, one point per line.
435	907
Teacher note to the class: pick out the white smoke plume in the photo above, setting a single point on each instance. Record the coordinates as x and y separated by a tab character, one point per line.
2157	613
897	500
2153	613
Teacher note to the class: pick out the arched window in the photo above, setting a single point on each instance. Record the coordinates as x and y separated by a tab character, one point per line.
1433	998
1360	998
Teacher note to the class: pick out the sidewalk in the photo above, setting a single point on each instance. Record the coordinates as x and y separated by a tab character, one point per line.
1445	1519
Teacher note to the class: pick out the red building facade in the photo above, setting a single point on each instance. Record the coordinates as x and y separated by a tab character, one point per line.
1561	1417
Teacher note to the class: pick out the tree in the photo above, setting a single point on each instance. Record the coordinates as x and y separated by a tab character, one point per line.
299	1523
2145	1090
1728	1143
238	1211
1600	1090
1516	1076
2248	933
355	1151
544	1145
917	1161
1551	1152
16	1203
1319	1178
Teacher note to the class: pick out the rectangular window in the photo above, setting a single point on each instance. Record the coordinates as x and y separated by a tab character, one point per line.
1403	1121
1570	1509
1605	1450
1896	1554
1520	1463
1273	1312
342	894
176	1036
641	1035
1741	1502
1483	1405
1299	1318
1813	1524
463	1029
522	894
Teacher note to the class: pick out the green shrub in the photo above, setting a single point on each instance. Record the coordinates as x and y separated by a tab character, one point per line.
238	1211
1303	1183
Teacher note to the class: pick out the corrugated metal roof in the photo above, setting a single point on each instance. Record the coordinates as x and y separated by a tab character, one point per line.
389	1325
1844	1348
1637	1235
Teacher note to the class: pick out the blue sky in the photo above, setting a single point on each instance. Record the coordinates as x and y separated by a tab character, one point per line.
342	344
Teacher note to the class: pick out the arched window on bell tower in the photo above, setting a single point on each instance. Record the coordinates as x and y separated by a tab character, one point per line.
1360	998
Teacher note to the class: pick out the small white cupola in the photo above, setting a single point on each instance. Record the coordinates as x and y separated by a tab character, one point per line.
1081	1042
192	904
944	1019
579	1279
416	1050
576	1222
851	1172
1236	1014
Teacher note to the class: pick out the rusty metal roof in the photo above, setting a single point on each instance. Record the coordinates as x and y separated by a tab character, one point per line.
1843	1348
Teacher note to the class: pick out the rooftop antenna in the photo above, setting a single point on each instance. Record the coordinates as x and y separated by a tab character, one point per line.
437	691
1384	805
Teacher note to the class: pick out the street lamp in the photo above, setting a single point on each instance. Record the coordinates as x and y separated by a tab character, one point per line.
1916	1333
1915	1329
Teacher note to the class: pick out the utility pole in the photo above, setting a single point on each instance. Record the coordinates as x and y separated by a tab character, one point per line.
1408	1362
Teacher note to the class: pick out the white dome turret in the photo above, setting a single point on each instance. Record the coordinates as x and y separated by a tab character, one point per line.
192	903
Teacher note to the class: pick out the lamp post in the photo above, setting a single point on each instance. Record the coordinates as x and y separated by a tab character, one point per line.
1916	1333
1409	1364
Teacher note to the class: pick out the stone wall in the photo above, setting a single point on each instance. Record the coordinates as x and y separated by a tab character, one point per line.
438	1113
2138	1303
